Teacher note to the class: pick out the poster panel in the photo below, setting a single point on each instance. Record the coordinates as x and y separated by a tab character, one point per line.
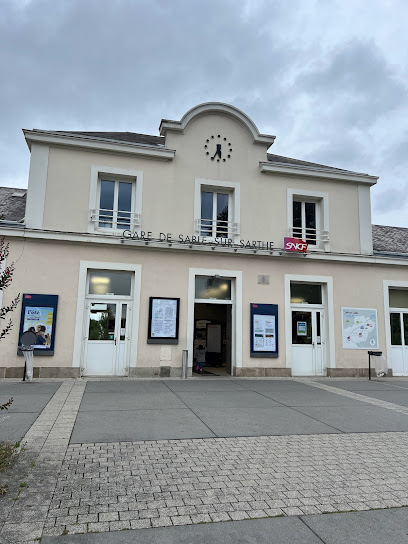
359	328
38	315
163	320
264	330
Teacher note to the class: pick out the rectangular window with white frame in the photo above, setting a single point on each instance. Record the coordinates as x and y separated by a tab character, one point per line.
217	209
308	218
115	199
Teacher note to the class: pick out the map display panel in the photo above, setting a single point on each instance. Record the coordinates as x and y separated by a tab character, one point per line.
359	328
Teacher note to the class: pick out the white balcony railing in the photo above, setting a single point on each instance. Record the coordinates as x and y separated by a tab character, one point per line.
216	229
115	219
311	236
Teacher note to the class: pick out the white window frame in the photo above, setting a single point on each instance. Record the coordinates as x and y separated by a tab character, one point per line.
234	204
115	174
321	199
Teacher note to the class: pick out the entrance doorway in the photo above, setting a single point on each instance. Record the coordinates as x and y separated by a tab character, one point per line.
308	329
107	323
106	342
399	341
212	331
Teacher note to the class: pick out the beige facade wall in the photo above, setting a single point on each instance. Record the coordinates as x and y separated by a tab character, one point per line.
168	187
53	268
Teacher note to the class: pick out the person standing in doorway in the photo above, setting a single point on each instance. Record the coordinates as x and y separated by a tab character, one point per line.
200	358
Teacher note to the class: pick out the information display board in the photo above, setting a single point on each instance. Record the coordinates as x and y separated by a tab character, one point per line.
359	328
163	320
39	315
264	330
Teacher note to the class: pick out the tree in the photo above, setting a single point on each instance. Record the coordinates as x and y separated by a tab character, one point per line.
6	277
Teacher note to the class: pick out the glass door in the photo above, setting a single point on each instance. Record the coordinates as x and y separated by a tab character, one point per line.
307	342
106	339
399	342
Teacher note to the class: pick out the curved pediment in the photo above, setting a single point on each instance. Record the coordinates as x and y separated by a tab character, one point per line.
221	109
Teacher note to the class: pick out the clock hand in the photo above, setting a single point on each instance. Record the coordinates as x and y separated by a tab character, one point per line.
218	152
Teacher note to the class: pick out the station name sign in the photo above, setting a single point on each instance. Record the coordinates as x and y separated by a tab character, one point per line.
168	238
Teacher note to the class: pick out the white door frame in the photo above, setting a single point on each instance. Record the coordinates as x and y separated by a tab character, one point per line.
313	309
386	288
119	302
134	307
236	311
327	297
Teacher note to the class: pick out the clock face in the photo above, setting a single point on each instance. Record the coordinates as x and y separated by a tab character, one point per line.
218	148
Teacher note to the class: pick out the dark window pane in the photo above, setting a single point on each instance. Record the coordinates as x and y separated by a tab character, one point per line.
124	205
206	213
305	293
297	214
102	322
123	322
301	327
398	298
310	216
318	333
106	203
395	322
222	215
109	282
209	287
405	321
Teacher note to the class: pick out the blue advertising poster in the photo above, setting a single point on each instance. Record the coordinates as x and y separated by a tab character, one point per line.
264	330
38	315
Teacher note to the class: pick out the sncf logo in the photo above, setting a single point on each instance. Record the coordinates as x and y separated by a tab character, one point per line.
294	244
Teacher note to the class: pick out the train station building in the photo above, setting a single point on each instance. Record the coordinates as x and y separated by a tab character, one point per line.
131	248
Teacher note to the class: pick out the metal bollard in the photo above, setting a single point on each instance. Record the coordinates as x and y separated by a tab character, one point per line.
184	365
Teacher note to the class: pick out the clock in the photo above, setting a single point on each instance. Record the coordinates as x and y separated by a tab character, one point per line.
218	148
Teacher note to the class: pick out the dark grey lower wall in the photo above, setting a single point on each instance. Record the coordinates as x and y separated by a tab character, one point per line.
352	372
40	372
261	372
175	372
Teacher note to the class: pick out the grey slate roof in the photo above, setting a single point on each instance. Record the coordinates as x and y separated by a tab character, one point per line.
390	239
130	137
12	208
159	141
296	162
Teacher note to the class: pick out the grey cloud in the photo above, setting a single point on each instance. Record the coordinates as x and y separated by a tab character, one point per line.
125	64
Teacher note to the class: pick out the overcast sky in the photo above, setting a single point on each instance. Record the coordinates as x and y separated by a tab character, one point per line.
328	78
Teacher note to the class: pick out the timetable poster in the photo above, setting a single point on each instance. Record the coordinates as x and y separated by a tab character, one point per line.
264	333
164	318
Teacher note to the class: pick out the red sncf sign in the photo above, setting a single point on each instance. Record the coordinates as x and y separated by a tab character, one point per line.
294	244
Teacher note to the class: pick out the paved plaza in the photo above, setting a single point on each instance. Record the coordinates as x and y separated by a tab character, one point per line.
139	457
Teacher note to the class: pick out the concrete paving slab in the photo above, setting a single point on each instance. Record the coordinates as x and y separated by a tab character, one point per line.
357	385
277	385
359	419
14	426
123	386
9	388
264	531
225	399
203	384
376	527
240	421
130	400
310	398
397	396
27	403
124	426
